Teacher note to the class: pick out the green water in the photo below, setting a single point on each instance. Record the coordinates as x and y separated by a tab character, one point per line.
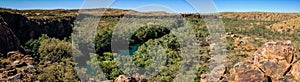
131	50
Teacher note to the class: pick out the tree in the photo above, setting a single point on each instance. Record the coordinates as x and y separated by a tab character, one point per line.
59	71
32	46
145	33
54	50
168	52
103	41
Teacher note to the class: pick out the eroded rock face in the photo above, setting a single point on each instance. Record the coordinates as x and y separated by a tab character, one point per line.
274	61
8	40
275	58
246	72
281	50
273	68
26	29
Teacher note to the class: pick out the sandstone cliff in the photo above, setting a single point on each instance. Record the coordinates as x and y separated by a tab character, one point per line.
26	29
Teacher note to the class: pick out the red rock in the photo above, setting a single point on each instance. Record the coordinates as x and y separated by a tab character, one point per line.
134	78
274	68
275	60
246	72
281	50
295	71
17	69
122	78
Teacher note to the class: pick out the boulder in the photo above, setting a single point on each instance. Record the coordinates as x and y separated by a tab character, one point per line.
274	68
275	58
15	78
134	78
122	78
274	61
216	74
139	78
281	50
14	55
246	72
15	63
16	68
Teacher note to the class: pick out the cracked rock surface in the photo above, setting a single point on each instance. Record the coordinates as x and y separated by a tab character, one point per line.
17	67
275	61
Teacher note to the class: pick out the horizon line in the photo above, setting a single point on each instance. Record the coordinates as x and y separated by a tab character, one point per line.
150	11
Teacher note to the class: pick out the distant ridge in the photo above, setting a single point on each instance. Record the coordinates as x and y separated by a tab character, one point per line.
111	12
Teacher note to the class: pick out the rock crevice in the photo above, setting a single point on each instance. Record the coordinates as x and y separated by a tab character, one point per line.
274	61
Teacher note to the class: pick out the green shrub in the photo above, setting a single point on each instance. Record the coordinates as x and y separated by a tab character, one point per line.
58	72
145	33
32	46
54	50
103	41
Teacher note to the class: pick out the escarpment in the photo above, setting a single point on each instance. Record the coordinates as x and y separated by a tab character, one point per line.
8	40
26	29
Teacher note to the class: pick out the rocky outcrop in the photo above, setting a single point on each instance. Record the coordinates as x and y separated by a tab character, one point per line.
275	61
134	78
26	29
8	40
246	72
264	16
17	67
286	26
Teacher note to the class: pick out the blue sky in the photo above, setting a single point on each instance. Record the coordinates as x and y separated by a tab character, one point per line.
177	5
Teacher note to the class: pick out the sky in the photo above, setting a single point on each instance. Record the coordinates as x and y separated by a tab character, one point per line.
180	6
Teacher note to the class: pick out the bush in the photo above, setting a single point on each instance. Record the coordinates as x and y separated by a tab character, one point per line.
145	33
104	63
103	41
54	50
32	46
58	72
61	66
170	46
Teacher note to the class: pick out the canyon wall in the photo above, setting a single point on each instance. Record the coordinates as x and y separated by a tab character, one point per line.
26	29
